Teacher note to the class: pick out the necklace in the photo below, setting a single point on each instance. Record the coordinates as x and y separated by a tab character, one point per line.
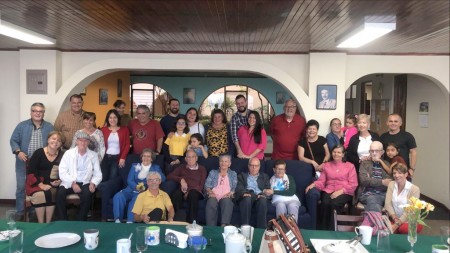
51	155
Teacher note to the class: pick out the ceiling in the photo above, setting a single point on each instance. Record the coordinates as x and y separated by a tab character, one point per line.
221	26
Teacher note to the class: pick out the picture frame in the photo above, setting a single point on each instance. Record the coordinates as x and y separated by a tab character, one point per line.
103	97
188	96
326	97
280	97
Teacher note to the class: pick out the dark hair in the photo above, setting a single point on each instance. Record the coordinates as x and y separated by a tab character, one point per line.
219	111
400	167
118	103
115	112
352	118
279	162
342	149
197	136
312	122
393	144
258	127
239	97
75	96
89	115
186	127
331	122
173	99
196	112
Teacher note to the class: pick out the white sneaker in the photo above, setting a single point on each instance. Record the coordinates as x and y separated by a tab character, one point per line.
117	221
129	222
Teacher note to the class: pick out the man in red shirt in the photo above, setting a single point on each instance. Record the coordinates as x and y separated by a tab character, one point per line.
146	133
287	129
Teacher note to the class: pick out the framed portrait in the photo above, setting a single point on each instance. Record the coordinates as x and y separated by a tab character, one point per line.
281	97
188	96
103	97
326	97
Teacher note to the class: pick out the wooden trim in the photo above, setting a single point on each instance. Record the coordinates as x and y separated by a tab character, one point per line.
8	201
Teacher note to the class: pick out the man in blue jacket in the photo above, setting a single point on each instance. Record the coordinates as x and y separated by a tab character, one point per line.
28	136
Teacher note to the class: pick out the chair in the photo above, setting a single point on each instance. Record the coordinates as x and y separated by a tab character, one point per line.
70	199
346	223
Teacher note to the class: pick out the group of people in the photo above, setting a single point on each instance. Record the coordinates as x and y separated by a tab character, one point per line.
94	155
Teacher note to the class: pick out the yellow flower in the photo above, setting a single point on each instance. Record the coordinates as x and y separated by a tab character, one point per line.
429	207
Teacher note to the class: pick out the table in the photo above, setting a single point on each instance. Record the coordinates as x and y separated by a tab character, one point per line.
111	232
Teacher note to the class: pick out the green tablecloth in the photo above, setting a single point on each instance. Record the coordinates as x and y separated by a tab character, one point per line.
111	232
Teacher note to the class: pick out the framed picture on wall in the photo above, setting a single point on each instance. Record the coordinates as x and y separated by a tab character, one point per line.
326	97
188	96
281	97
103	97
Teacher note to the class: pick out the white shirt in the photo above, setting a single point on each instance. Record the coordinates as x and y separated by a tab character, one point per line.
400	199
364	146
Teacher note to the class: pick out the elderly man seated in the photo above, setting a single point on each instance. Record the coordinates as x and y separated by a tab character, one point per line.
252	189
79	171
373	179
151	205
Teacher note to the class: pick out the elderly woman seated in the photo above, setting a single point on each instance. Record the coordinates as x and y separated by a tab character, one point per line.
220	186
284	197
338	183
398	193
137	183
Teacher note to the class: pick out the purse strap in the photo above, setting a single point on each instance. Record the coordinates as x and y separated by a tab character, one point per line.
310	150
294	230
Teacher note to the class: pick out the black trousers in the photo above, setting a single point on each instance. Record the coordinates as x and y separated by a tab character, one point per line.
326	208
192	199
85	202
246	205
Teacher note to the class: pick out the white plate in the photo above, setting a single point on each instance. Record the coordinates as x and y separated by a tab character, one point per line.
57	240
319	243
4	236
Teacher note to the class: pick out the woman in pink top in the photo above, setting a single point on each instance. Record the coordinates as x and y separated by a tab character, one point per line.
252	137
338	182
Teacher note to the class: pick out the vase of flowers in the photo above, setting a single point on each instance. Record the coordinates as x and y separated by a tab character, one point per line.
416	210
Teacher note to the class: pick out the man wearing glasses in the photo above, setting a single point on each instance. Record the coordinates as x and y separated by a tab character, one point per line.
28	136
287	129
373	179
151	205
253	189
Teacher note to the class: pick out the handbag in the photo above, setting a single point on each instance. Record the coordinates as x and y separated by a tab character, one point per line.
271	243
287	230
374	220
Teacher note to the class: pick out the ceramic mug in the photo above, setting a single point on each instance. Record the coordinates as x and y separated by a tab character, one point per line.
123	246
91	239
247	231
366	233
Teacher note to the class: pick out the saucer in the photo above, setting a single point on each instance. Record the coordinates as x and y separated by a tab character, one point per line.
57	240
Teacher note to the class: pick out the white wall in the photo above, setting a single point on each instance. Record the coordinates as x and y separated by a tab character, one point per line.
10	112
432	168
298	73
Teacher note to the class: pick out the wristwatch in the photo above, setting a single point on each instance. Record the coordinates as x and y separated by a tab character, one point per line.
17	152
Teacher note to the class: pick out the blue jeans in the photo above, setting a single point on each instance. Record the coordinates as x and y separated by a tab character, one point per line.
120	201
20	186
109	167
373	202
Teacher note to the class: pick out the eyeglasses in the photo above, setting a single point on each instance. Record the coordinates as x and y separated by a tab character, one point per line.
36	111
253	165
279	169
153	180
291	107
181	123
372	151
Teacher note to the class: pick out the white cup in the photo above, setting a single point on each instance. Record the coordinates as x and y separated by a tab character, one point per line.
91	239
123	246
247	231
366	233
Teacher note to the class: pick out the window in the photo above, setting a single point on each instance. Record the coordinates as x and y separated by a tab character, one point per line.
152	96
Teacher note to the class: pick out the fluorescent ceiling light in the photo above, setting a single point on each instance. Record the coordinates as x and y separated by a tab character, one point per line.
24	34
366	33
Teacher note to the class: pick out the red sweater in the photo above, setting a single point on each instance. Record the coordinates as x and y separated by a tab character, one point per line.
124	140
195	179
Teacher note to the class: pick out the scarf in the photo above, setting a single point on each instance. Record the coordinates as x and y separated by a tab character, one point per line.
143	170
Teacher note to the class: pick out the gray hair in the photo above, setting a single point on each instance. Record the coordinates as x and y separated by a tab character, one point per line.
225	156
145	108
290	100
148	150
37	104
153	173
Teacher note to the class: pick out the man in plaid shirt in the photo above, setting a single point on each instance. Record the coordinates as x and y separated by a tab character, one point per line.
239	119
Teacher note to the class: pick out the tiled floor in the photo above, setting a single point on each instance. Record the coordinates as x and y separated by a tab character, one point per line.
433	229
